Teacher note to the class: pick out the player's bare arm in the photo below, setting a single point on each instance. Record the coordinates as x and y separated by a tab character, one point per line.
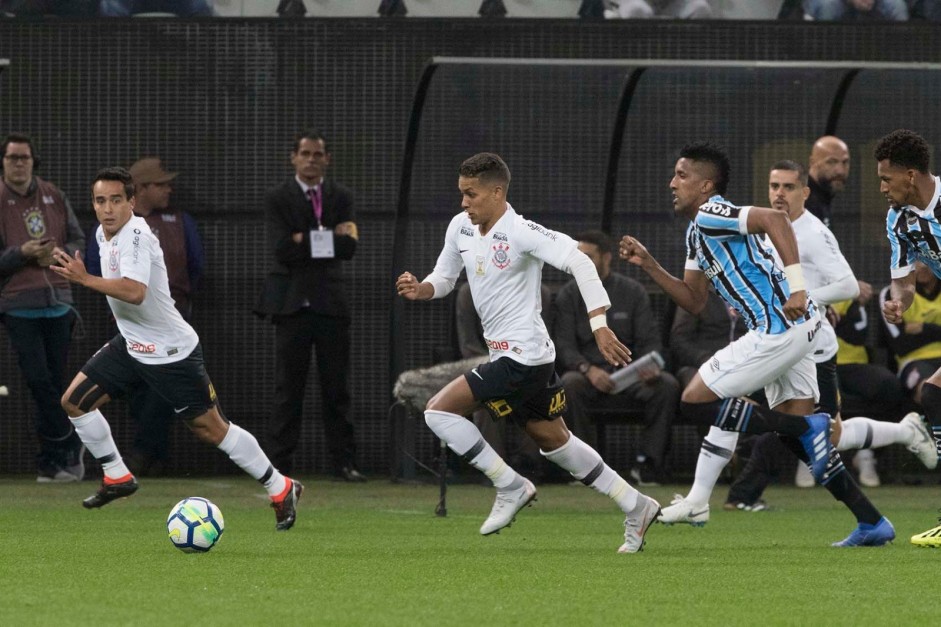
689	292
777	226
608	343
408	287
901	292
73	268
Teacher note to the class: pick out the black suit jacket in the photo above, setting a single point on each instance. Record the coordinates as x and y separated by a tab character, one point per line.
295	280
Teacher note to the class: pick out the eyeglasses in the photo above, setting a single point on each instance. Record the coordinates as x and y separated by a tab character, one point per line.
23	158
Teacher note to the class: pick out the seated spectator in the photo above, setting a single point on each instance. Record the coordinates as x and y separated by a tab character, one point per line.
828	10
917	343
180	8
634	9
587	375
926	10
694	339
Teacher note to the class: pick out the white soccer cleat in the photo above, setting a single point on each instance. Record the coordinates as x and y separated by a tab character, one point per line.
505	507
682	511
922	443
803	478
635	527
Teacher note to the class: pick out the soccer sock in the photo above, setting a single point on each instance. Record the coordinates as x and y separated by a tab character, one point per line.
737	414
464	438
869	433
840	484
931	403
243	449
585	464
96	436
716	451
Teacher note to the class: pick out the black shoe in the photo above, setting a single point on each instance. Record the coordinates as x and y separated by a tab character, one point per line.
645	475
348	473
285	510
110	491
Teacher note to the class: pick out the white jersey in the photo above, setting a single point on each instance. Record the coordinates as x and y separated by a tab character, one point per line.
504	271
154	331
822	264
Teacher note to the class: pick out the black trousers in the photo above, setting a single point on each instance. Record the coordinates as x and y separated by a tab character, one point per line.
329	337
42	349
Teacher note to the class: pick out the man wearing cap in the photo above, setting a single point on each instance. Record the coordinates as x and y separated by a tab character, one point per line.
37	220
185	260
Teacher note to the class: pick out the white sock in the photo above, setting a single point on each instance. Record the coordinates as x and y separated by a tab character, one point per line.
95	433
243	449
586	465
464	438
869	433
716	451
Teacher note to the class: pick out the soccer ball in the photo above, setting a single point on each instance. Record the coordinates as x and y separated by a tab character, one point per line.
195	525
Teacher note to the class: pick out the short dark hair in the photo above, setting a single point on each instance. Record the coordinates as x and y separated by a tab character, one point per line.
19	138
119	174
600	239
904	148
488	167
311	134
793	166
713	155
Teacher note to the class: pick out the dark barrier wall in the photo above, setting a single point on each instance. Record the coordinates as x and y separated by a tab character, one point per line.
219	100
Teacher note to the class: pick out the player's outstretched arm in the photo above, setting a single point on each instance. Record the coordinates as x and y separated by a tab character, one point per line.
902	293
689	292
73	268
409	288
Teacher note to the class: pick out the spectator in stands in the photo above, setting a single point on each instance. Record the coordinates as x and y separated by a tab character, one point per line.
926	10
587	375
180	8
185	260
829	169
36	221
633	9
311	231
892	10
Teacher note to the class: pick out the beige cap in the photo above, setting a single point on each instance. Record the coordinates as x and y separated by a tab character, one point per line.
150	170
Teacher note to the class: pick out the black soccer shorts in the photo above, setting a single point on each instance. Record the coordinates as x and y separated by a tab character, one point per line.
511	390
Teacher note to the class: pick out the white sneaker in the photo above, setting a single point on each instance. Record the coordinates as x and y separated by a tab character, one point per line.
505	507
803	477
865	463
635	527
681	511
922	444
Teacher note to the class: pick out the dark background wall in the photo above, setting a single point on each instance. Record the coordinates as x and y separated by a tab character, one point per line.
219	100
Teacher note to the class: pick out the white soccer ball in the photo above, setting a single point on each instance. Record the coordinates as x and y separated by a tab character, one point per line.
195	525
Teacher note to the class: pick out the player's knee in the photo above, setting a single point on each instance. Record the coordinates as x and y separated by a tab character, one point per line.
81	399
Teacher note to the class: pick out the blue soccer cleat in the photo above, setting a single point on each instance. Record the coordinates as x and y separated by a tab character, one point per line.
816	442
869	535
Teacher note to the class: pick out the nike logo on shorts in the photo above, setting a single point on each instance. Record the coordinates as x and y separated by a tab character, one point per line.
474	370
181	410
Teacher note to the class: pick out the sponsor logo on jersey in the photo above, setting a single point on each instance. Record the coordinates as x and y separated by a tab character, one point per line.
497	345
466	230
713	270
35	222
137	347
48	200
517	350
541	229
501	259
500	237
714	365
717	209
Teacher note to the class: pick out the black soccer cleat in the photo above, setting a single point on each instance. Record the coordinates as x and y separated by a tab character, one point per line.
285	510
110	491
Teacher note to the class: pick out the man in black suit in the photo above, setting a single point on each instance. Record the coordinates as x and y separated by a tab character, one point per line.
310	230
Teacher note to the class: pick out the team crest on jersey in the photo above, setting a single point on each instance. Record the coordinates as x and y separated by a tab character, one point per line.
35	223
501	259
113	259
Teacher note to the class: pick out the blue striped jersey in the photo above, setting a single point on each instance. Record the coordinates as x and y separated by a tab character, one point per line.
915	235
740	265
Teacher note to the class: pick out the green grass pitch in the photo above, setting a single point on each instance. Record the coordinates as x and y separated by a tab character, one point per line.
375	554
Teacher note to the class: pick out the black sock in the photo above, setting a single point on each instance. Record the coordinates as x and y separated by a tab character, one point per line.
840	484
737	414
931	403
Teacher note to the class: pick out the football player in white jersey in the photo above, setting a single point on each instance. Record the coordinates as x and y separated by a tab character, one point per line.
913	227
503	255
154	347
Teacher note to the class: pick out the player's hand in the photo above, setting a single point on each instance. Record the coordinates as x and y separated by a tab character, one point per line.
600	379
796	305
892	311
610	346
914	328
633	252
408	287
72	268
865	292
